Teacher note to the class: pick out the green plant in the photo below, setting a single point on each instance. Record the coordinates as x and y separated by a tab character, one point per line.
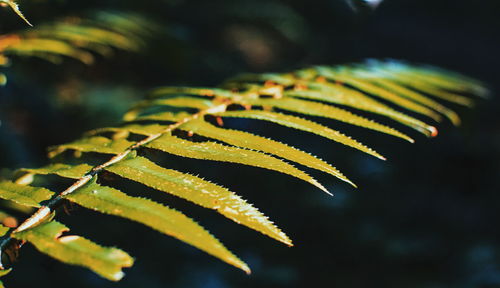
13	5
188	122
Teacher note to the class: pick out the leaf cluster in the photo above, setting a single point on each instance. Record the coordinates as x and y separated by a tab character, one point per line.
189	122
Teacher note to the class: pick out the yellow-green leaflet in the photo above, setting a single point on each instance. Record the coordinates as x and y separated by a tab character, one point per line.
415	82
412	94
63	170
437	77
96	144
251	141
380	92
318	109
24	195
224	153
76	250
337	94
301	124
198	191
161	218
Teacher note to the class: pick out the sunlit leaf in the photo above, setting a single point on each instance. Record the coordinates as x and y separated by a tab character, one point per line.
76	250
219	152
166	220
198	191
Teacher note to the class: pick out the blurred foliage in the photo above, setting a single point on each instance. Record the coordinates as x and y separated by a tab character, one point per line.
77	37
435	232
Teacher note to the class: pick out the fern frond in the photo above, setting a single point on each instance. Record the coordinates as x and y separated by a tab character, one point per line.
188	122
76	38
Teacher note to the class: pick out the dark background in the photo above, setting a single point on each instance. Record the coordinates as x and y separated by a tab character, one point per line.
427	217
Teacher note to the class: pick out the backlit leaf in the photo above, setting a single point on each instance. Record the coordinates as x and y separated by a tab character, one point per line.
198	191
327	111
76	250
219	152
24	195
301	124
251	141
93	144
161	218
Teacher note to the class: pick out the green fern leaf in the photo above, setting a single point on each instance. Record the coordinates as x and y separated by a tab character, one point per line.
377	91
327	111
93	144
301	124
24	195
337	94
198	191
219	152
161	218
258	143
63	170
76	250
420	83
310	86
438	77
236	138
411	94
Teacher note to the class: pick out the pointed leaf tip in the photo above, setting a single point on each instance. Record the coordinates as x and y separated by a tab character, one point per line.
13	5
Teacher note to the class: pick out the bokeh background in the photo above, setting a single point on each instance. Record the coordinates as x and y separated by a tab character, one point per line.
427	217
